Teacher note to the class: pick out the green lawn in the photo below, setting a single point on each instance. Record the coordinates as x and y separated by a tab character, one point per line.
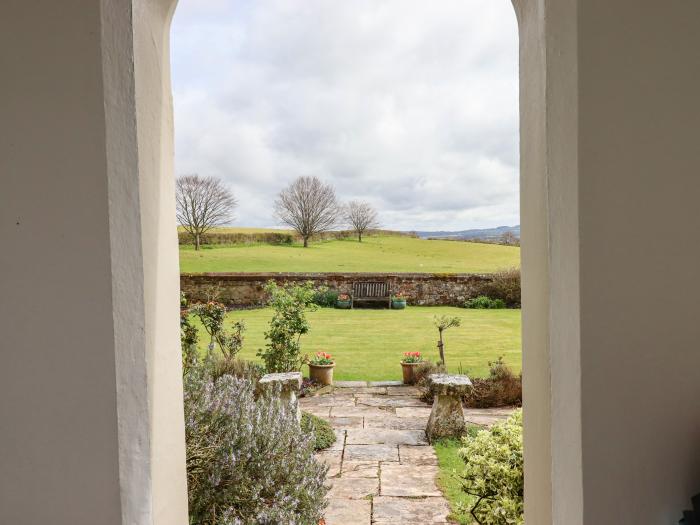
374	254
368	344
450	466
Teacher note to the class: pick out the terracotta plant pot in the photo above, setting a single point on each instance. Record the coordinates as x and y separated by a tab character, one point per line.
322	373
408	369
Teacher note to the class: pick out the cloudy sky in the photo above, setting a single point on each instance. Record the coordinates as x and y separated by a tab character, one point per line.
408	104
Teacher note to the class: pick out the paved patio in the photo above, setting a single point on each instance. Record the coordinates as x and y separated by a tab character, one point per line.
382	468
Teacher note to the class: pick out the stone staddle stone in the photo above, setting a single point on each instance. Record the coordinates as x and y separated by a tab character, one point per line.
290	384
447	414
447	385
288	381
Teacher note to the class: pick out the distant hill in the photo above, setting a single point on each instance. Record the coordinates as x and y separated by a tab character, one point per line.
486	234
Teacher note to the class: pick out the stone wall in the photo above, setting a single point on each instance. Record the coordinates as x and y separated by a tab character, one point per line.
426	289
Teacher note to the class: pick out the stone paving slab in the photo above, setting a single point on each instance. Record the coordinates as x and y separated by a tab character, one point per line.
348	384
484	421
323	412
360	469
389	401
385	383
403	391
345	423
408	511
420	455
339	444
413	481
376	436
371	453
423	411
381	469
362	411
354	488
327	401
396	423
348	512
333	459
380	390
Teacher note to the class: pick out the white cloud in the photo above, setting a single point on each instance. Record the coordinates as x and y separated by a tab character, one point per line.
411	105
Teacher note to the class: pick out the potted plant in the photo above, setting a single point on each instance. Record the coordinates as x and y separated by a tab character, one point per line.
409	363
398	301
344	302
321	368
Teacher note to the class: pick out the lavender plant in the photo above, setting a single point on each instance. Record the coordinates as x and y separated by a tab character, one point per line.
248	460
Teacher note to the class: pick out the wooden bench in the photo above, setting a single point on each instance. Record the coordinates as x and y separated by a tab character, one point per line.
371	292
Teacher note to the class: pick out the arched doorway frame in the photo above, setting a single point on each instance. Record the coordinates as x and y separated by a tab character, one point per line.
548	220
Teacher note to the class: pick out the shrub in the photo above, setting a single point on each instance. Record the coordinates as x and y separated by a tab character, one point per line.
325	298
501	388
505	285
212	316
493	473
282	352
248	460
324	435
240	368
189	337
483	302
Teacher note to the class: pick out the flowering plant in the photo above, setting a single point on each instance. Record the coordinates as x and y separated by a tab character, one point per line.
412	357
322	358
343	297
400	296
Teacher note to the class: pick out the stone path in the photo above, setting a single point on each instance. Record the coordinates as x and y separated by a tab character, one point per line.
382	468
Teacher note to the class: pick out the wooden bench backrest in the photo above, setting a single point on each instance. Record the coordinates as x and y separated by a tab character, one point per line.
370	289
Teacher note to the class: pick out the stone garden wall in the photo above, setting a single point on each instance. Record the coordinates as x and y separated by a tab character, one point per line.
426	289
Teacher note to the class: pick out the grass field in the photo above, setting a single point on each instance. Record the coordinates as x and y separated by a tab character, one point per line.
368	344
447	451
374	254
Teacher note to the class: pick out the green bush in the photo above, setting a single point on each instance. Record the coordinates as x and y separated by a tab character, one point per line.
325	298
248	460
484	302
321	429
220	366
282	352
493	473
505	285
501	388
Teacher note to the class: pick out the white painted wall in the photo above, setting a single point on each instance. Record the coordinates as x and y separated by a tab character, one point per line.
91	426
610	227
90	390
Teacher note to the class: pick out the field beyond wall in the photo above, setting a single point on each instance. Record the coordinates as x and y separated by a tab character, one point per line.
375	254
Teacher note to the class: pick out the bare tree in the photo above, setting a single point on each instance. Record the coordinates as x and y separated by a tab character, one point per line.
362	217
202	204
308	206
509	239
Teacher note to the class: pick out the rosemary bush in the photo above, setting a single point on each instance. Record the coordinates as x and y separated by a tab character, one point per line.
248	460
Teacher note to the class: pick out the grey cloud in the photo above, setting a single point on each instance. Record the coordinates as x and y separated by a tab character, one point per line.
408	104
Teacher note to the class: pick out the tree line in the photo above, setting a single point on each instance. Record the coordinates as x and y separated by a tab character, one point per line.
308	206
